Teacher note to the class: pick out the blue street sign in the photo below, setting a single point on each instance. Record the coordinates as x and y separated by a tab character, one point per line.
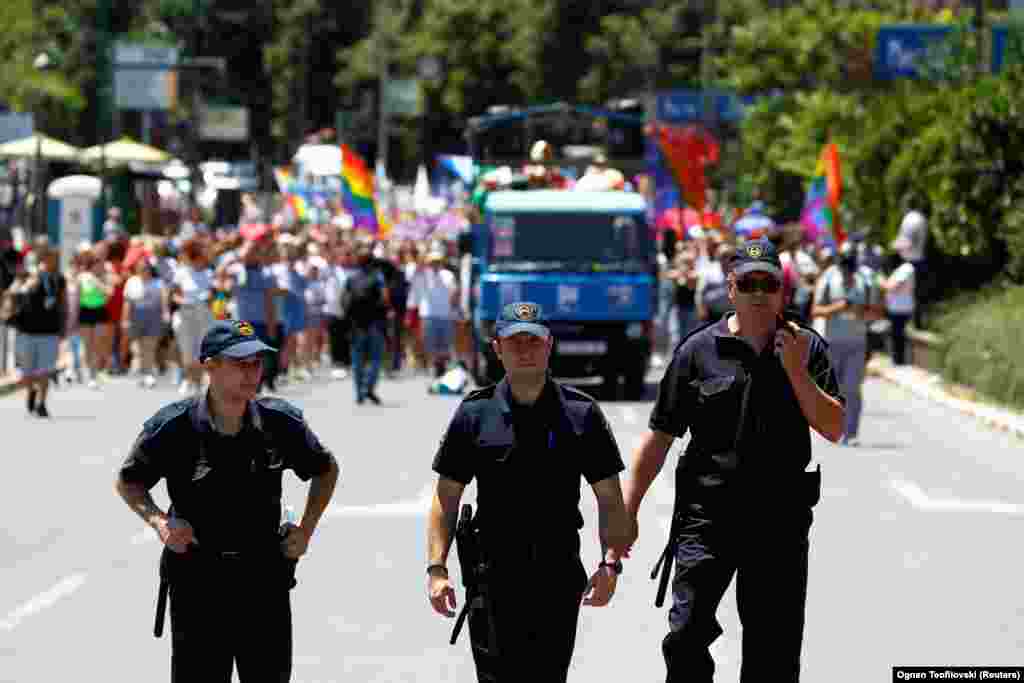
902	51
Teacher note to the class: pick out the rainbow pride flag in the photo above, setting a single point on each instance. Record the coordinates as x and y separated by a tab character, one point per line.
357	194
820	217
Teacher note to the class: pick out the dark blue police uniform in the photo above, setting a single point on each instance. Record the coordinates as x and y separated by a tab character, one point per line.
229	594
743	501
528	462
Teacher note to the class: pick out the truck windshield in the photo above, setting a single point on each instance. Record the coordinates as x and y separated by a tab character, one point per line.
571	242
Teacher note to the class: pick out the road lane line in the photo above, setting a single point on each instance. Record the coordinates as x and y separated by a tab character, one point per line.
402	508
62	589
917	497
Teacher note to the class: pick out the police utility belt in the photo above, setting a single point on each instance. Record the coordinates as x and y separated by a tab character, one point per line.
808	494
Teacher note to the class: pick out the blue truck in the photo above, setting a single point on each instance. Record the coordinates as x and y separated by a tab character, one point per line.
589	259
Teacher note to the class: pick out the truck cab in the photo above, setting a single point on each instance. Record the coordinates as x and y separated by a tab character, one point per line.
589	259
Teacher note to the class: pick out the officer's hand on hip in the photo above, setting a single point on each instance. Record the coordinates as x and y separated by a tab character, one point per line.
295	543
793	347
176	533
601	587
441	592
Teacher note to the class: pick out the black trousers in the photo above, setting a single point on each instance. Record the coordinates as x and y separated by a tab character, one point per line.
219	624
769	561
535	626
339	342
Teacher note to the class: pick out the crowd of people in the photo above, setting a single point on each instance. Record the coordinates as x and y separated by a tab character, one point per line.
860	297
334	302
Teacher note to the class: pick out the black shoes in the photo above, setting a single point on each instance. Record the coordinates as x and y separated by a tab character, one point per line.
41	410
30	402
373	398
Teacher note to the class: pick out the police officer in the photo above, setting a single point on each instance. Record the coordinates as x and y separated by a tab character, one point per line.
528	441
228	565
747	388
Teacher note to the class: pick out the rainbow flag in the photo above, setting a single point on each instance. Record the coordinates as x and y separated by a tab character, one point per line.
357	190
820	216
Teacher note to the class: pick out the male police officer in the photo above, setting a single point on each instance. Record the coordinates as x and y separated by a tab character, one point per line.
527	441
228	568
747	388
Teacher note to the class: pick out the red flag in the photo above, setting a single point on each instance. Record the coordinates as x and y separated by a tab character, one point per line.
688	150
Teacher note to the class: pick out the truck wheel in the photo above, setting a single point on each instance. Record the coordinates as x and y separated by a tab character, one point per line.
635	387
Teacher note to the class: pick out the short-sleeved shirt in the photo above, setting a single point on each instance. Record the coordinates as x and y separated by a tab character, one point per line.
702	392
227	487
529	461
860	291
250	292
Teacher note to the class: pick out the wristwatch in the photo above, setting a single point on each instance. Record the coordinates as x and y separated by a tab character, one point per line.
437	566
615	566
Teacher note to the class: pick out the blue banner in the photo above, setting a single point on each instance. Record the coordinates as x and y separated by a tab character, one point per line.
680	106
903	51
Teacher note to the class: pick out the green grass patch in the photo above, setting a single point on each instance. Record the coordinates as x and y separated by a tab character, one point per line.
983	335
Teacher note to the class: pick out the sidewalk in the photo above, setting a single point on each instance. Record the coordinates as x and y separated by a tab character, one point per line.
931	386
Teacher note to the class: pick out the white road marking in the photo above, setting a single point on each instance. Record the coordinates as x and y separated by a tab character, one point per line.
405	508
64	588
920	500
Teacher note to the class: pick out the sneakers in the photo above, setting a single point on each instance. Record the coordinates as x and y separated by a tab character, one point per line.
339	374
93	384
30	401
149	381
41	410
851	440
374	399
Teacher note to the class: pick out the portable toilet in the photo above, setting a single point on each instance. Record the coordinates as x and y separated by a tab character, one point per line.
75	214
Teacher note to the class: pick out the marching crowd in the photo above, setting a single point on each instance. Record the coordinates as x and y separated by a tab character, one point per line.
332	301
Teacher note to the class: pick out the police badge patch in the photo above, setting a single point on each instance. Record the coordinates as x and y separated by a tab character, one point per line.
525	312
754	251
245	329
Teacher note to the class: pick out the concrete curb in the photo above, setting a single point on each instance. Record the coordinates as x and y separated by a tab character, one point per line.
928	385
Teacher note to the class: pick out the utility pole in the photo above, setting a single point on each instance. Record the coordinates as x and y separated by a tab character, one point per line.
104	91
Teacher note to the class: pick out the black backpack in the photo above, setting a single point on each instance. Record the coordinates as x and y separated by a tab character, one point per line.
363	301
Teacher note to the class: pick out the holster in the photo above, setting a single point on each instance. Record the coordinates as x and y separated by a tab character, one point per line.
476	575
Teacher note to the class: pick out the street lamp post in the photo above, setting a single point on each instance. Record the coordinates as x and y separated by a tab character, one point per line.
41	63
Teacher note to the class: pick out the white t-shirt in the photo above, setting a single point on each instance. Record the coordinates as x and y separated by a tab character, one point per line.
144	294
195	285
914	229
901	299
334	289
431	293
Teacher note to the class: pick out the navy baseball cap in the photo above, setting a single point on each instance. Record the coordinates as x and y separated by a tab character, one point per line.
522	316
757	256
231	338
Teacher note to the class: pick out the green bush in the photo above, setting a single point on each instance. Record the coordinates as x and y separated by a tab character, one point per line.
983	334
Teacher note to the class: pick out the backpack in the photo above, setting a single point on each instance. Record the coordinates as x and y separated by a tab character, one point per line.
363	301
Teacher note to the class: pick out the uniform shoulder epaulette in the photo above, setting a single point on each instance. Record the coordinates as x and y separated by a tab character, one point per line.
481	393
167	415
278	405
693	333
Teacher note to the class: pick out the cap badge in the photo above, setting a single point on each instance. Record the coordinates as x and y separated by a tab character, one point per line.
244	329
525	312
755	251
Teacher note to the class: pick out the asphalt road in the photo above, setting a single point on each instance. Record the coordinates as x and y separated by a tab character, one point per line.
915	548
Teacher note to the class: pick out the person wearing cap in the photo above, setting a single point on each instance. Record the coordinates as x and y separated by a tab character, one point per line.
228	561
748	388
528	441
848	300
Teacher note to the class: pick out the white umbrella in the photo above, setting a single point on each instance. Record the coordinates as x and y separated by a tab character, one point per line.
45	147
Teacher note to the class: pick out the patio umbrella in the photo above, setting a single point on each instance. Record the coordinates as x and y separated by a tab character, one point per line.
48	148
124	151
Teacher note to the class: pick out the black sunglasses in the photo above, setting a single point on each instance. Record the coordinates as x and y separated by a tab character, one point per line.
749	285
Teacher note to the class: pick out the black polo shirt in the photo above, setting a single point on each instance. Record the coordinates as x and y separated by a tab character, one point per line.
529	461
227	487
702	392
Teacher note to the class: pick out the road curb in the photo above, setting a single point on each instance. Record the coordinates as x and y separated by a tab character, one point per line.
931	386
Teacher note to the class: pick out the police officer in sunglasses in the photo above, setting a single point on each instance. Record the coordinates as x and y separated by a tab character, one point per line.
748	388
